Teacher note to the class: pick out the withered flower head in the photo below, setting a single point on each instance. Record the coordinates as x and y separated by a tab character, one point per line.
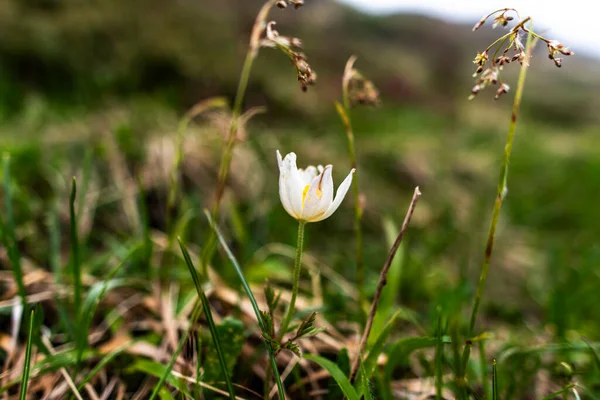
295	3
357	88
554	48
502	20
306	76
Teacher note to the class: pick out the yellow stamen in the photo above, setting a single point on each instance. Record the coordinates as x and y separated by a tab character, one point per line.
304	194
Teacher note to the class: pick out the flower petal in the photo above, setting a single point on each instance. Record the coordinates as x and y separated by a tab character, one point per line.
319	195
339	196
293	185
283	190
308	174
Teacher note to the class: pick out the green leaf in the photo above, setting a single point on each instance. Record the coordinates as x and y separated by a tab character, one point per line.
595	355
559	392
231	333
165	394
272	298
293	347
27	364
337	374
75	262
366	387
343	362
268	324
103	362
371	360
158	370
401	350
209	319
307	325
252	299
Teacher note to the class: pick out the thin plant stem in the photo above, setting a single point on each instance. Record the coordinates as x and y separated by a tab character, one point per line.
290	312
233	128
484	368
344	112
75	261
502	188
296	280
360	268
494	381
382	282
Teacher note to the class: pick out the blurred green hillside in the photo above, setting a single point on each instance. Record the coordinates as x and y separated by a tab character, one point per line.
83	55
96	89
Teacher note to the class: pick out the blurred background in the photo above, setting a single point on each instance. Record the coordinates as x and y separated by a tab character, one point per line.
96	89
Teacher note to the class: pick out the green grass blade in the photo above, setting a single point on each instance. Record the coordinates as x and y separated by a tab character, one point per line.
337	374
103	362
158	370
371	360
209	318
75	262
9	236
27	366
54	243
145	230
595	355
250	295
439	353
95	295
561	391
365	389
166	371
494	382
401	350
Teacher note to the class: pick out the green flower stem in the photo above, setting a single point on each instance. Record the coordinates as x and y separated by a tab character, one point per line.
296	280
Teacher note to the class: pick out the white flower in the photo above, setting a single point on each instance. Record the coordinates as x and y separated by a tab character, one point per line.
307	195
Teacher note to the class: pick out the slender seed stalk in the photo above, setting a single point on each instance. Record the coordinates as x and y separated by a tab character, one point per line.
296	280
502	187
360	269
382	282
233	127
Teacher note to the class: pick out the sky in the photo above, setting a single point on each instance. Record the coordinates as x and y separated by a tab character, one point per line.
575	23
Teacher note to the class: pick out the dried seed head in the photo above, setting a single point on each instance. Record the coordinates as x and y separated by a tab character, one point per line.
306	76
502	20
511	48
557	62
501	90
362	91
479	24
481	58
